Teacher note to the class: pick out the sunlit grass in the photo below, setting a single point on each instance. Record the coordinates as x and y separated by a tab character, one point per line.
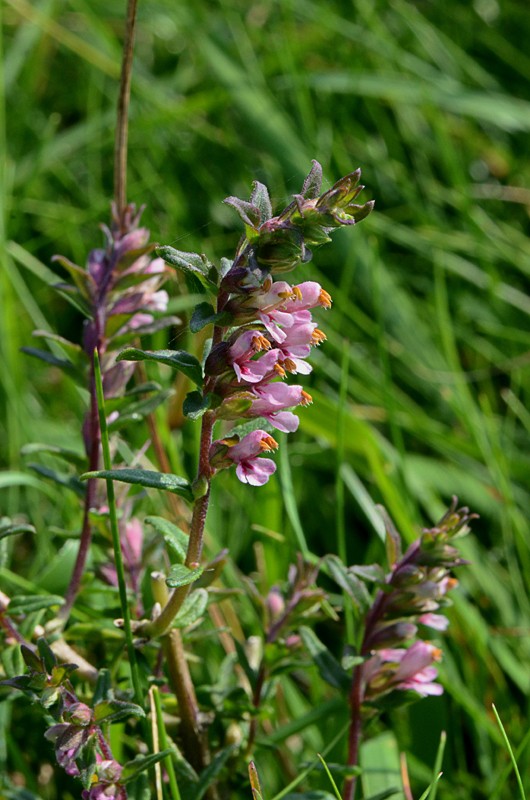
430	311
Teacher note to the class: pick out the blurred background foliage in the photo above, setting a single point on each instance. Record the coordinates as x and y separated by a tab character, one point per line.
421	390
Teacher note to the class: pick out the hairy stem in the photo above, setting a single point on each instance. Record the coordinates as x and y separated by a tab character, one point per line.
194	744
122	120
161	624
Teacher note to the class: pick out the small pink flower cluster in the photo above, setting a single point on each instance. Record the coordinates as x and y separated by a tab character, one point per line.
416	586
251	365
120	292
263	327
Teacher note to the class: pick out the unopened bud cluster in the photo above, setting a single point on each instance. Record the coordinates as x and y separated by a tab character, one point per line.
120	292
80	746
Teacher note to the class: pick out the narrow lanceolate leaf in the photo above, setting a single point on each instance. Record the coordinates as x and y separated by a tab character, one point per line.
176	359
132	769
180	575
349	582
115	711
8	528
175	538
328	666
72	456
68	481
26	604
393	539
49	358
144	477
205	314
74	351
212	770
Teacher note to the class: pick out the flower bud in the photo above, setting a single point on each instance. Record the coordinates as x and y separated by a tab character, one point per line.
79	714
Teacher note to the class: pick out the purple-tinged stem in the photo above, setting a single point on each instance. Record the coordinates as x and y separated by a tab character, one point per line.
122	120
161	624
355	732
357	694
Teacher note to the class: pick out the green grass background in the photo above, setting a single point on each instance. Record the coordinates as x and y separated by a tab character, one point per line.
421	390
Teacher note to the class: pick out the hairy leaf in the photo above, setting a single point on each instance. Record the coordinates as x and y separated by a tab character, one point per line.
162	481
176	359
205	314
174	537
180	575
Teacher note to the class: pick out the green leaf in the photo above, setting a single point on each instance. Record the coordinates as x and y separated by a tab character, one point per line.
393	539
352	585
81	277
66	454
141	388
26	604
162	481
205	314
313	183
261	200
191	263
138	411
46	654
381	771
75	352
195	405
180	575
174	537
110	711
68	481
249	213
31	659
316	794
9	528
328	666
49	358
212	771
132	769
176	359
73	296
192	608
103	686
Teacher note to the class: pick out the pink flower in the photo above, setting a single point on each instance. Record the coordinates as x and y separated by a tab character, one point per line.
249	369
404	669
436	621
272	398
308	294
250	468
297	344
269	304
